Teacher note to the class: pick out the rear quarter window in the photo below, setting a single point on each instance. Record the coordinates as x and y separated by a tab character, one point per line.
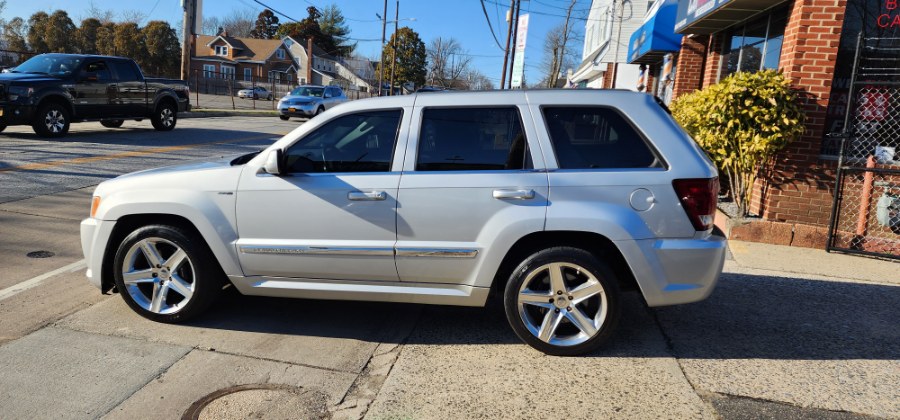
596	138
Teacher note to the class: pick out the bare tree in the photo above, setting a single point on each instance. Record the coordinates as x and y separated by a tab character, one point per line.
557	54
478	81
103	15
132	16
239	23
449	63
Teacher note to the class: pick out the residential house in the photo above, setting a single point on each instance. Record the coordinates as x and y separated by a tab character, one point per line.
328	69
608	29
245	59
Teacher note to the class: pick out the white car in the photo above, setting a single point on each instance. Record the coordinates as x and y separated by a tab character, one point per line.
257	92
554	199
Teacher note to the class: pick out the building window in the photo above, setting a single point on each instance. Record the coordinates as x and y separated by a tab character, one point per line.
209	71
222	50
248	74
279	53
755	45
227	72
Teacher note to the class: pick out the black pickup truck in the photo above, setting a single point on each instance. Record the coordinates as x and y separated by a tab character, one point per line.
50	91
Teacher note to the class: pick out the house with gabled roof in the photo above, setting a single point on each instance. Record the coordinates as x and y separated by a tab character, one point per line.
245	59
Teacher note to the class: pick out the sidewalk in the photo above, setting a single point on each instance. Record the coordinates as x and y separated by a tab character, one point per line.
215	112
816	262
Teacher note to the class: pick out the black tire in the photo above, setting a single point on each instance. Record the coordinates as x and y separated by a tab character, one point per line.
112	123
255	97
165	117
52	120
570	339
320	110
199	271
2	127
284	117
270	97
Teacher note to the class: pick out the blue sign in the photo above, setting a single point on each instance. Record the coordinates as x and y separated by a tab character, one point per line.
656	36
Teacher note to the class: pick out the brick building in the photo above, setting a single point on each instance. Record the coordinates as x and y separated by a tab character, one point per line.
813	43
243	59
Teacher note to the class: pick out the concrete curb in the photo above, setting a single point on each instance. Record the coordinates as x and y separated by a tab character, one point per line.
227	113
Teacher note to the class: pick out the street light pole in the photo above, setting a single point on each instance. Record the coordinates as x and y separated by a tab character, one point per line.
394	46
381	64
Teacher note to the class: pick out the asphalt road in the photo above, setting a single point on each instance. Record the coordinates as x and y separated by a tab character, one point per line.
773	341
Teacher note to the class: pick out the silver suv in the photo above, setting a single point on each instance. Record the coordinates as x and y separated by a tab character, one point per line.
554	199
309	101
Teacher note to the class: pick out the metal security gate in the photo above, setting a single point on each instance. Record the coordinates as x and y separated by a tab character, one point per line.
865	217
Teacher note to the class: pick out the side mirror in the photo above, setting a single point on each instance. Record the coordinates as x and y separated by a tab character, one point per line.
275	162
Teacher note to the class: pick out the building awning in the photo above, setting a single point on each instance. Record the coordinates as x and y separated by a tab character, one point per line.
710	16
656	37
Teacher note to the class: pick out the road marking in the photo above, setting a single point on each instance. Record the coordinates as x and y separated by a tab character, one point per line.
137	153
34	282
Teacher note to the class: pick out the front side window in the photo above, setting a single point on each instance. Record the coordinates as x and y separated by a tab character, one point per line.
596	138
362	142
96	69
472	139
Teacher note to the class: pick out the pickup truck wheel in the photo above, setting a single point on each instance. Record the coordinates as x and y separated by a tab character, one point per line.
562	301
165	117
52	120
166	274
2	127
112	123
283	118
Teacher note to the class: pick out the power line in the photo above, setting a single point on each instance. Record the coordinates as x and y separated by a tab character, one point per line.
488	19
551	14
282	14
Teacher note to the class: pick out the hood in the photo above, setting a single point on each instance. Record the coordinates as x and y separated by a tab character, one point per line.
26	77
183	168
301	98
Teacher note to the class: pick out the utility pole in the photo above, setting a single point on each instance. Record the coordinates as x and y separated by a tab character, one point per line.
394	45
187	33
508	37
381	64
309	60
512	56
615	71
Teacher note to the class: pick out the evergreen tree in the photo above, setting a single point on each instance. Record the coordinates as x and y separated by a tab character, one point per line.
37	30
59	33
409	58
106	39
163	49
266	26
334	26
130	43
86	36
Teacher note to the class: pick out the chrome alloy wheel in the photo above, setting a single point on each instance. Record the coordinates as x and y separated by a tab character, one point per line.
562	304
55	121
167	117
158	275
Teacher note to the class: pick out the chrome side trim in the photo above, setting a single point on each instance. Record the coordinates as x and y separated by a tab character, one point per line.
437	252
317	250
359	251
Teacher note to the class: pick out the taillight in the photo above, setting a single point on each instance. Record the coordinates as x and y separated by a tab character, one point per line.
698	197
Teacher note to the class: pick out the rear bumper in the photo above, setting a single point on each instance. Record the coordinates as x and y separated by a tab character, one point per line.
675	271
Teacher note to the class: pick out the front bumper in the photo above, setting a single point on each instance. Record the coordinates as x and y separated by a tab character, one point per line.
95	236
298	110
16	114
675	271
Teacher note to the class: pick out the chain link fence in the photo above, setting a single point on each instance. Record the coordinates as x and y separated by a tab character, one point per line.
866	212
217	90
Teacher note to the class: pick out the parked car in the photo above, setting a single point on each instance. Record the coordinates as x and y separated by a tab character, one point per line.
308	101
50	91
554	199
255	92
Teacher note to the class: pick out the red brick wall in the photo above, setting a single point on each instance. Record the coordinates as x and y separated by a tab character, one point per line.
690	64
713	60
798	187
608	76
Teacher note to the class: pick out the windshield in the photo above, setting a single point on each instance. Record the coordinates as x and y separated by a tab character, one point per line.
52	64
308	91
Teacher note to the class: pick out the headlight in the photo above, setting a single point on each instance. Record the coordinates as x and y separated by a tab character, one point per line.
16	91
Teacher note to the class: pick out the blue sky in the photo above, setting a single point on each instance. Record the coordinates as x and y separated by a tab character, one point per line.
461	19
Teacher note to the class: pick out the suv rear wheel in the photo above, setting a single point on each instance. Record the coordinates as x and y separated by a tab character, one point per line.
52	120
166	274
562	301
112	123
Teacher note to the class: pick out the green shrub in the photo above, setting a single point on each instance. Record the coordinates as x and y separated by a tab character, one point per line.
742	122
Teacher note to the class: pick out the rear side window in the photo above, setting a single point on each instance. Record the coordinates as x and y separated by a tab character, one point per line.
126	71
596	138
472	139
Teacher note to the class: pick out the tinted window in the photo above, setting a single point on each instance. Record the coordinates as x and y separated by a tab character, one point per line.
98	69
595	137
126	71
460	139
362	142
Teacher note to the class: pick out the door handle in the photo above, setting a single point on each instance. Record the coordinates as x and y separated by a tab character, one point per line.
514	194
366	196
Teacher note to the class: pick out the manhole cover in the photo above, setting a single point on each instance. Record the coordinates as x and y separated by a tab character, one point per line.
259	401
39	254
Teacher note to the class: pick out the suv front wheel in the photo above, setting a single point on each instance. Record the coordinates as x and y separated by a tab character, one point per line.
562	301
166	274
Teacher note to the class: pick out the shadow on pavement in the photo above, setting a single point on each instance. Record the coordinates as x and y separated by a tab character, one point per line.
748	316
